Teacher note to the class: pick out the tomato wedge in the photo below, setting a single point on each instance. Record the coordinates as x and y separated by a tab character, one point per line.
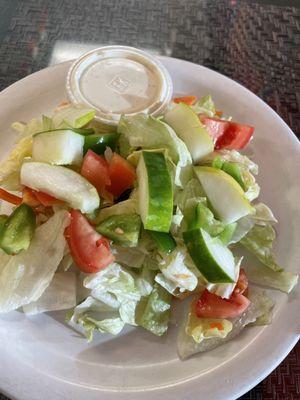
212	306
10	198
46	200
90	250
189	100
35	198
227	134
96	170
109	178
122	175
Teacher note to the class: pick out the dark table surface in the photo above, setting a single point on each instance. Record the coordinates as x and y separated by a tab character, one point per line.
257	43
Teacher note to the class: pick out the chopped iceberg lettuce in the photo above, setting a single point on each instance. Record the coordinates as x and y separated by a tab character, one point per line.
72	117
153	312
11	166
22	280
205	105
93	315
261	275
59	295
175	275
259	241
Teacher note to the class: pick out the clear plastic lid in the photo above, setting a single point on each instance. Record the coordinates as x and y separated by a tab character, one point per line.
116	80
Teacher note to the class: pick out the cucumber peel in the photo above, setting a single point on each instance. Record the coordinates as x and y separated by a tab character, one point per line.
155	191
214	260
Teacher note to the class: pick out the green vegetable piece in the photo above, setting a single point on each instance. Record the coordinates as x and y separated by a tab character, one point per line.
164	240
226	235
234	170
211	257
123	229
155	191
3	219
153	312
217	162
99	142
18	230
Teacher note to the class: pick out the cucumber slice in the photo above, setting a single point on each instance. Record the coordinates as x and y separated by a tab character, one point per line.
214	260
123	229
18	230
164	240
155	191
189	128
224	193
62	147
61	183
98	143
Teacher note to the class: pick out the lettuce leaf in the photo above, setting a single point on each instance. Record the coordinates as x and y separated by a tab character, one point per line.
140	131
261	275
153	312
72	117
175	274
205	105
10	167
252	189
29	129
92	315
259	241
263	215
25	276
260	305
59	295
144	281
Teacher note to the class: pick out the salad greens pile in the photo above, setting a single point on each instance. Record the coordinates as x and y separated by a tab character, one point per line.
116	225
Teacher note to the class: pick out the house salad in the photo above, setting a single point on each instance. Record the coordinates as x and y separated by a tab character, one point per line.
116	225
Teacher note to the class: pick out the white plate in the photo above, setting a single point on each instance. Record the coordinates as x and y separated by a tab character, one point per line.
43	358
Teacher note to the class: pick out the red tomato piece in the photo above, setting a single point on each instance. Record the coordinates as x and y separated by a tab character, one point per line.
122	175
242	283
47	200
189	100
29	197
90	250
10	198
227	134
212	306
96	170
35	198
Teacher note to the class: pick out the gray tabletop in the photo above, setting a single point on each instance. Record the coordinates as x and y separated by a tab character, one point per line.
256	43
